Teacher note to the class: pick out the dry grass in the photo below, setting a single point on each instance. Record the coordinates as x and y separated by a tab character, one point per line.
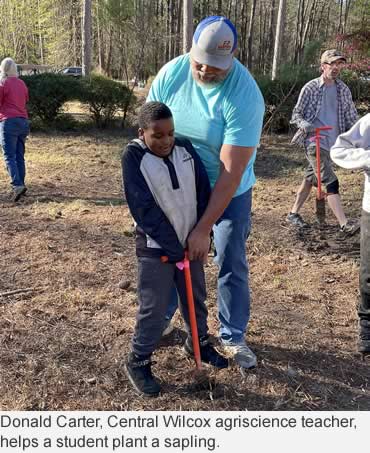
62	344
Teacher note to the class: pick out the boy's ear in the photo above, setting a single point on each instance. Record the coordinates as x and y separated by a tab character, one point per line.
141	132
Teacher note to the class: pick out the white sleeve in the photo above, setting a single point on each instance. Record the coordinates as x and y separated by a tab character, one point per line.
352	149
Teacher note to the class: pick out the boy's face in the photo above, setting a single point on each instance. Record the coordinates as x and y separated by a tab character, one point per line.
159	136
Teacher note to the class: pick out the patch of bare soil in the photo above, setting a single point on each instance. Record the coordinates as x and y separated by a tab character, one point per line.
66	321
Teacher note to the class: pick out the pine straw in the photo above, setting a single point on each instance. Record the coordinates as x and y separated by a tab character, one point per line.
62	344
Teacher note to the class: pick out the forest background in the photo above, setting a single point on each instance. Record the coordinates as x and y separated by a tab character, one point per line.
128	32
132	39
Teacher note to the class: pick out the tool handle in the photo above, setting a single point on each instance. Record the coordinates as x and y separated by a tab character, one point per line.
185	266
192	316
323	128
318	165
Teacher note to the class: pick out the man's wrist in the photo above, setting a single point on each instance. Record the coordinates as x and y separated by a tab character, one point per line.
204	227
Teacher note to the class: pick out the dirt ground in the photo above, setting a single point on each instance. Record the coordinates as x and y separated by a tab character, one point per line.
67	246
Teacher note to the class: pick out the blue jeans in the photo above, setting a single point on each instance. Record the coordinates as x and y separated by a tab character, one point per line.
13	133
230	234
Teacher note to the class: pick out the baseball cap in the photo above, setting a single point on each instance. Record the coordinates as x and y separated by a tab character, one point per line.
329	56
214	42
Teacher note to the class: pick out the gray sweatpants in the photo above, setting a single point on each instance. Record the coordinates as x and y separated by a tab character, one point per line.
155	286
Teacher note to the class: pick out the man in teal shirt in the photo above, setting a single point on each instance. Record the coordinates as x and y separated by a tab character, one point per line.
218	106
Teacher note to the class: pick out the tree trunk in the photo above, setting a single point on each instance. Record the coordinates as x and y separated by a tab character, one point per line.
269	56
219	8
250	34
178	36
243	33
188	25
86	38
339	29
41	44
278	39
99	39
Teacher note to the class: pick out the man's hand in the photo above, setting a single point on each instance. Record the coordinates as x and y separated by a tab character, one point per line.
233	161
307	127
198	244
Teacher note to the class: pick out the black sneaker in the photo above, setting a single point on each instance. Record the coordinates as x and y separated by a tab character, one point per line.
295	219
364	339
350	228
208	353
140	375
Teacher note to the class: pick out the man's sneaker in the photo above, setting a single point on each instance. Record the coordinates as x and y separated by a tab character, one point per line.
140	375
242	354
364	338
295	219
168	328
350	228
18	192
208	353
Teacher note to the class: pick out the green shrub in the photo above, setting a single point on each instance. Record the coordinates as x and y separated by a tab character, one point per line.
63	122
48	92
359	86
105	98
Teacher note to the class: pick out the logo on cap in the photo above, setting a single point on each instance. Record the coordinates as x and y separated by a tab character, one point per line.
226	45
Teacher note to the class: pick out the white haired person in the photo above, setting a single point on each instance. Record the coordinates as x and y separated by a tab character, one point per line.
14	125
352	151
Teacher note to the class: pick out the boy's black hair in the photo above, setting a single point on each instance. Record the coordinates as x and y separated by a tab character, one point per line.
153	111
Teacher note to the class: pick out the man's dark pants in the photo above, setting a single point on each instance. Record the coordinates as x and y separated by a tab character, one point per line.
364	305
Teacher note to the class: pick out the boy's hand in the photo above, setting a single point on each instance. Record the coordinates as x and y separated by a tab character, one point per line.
198	245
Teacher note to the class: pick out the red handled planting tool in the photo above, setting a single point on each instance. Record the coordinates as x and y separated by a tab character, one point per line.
185	266
320	195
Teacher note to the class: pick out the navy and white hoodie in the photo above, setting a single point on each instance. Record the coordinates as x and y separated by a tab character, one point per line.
166	196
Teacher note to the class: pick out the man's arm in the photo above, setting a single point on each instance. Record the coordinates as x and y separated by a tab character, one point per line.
352	149
298	118
350	112
233	161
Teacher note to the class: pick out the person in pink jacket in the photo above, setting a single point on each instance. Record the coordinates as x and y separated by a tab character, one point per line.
352	150
14	125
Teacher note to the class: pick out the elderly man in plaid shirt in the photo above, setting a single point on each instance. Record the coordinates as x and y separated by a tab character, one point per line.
325	101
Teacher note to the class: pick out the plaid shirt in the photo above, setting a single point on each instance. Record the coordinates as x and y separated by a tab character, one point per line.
309	104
